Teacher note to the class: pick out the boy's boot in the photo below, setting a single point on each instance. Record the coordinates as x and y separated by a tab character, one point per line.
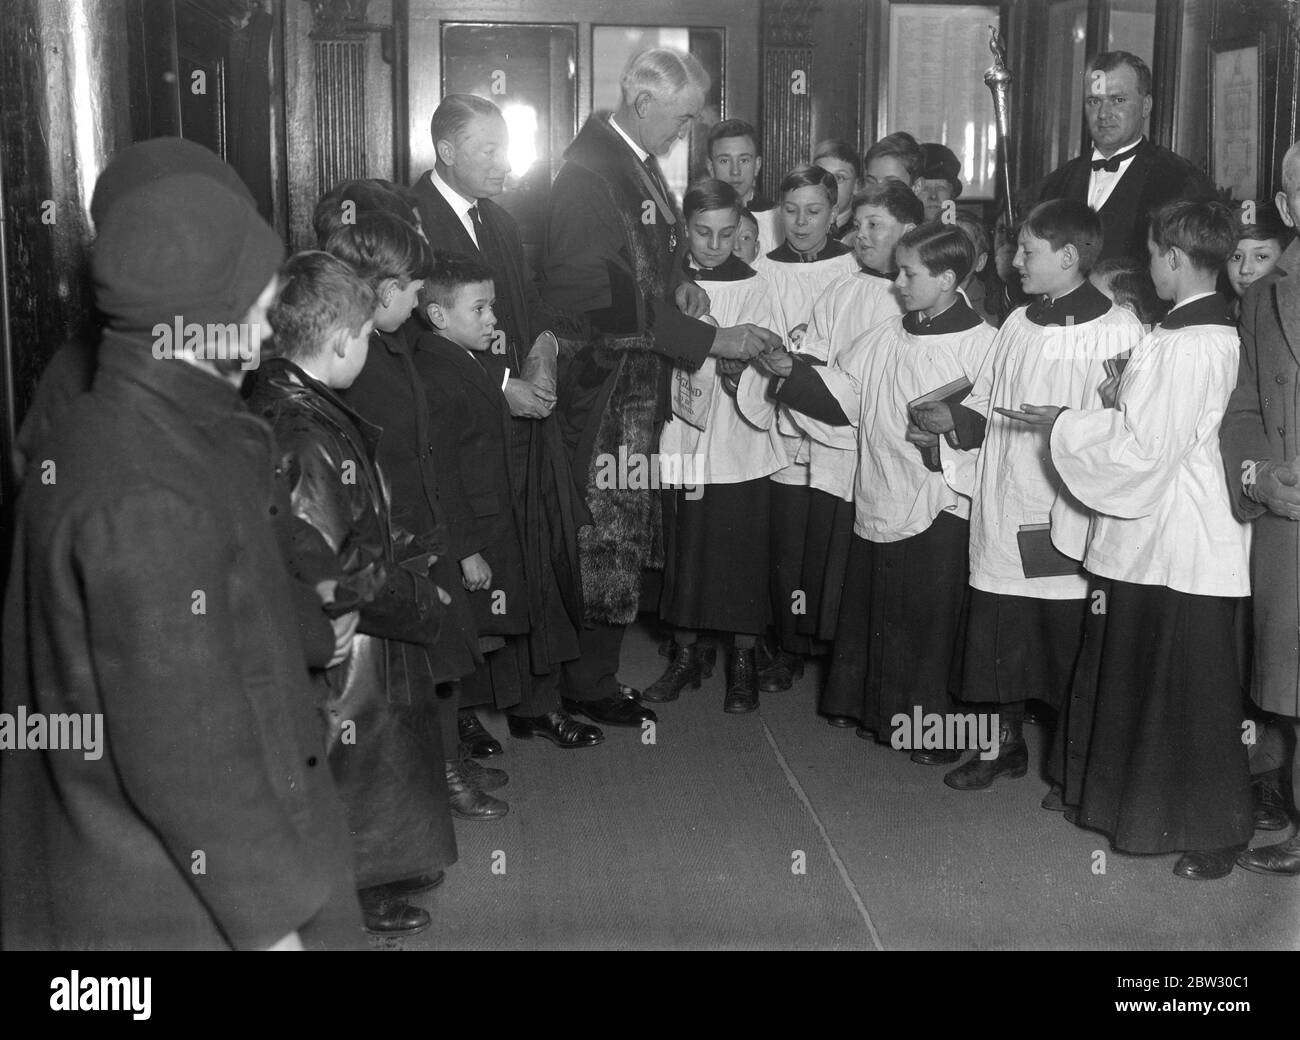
685	670
1270	802
742	681
1012	761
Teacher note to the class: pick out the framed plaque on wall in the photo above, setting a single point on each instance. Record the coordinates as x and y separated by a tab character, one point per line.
1236	145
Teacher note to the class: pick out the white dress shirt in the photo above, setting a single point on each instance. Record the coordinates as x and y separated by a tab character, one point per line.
458	203
641	153
1102	183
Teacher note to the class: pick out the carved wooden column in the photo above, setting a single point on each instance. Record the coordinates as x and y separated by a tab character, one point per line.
787	67
339	47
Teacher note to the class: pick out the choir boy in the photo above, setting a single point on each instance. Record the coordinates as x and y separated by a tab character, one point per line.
910	527
895	157
747	237
841	159
798	272
1028	596
734	157
715	466
1155	757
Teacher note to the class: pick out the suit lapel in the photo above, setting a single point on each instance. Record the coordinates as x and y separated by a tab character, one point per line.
440	220
1286	297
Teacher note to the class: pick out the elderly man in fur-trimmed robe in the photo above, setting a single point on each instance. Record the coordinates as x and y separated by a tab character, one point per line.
611	250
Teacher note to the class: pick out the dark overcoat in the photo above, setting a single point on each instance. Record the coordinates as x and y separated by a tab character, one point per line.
1261	424
611	252
148	588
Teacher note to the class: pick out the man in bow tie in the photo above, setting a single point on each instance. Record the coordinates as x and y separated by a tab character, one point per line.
1126	177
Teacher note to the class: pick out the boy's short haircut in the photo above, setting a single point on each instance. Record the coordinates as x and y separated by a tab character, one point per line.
942	164
709	194
1267	225
744	214
1204	230
834	148
975	231
941	247
380	245
1068	222
809	176
898	200
1130	285
370	195
902	146
451	271
319	295
732	128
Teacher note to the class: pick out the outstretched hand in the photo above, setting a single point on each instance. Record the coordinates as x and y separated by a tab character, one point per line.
1033	414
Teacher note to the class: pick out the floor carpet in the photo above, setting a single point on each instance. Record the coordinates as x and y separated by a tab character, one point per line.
775	831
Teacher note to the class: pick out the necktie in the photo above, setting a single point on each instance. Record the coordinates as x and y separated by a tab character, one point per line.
657	175
477	221
1111	165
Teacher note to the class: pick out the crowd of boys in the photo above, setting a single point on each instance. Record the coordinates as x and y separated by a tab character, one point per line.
1020	486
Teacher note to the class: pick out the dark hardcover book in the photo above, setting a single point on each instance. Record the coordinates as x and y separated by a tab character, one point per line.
1115	366
950	394
1039	558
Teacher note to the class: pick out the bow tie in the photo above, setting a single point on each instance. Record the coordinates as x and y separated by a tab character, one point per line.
1111	165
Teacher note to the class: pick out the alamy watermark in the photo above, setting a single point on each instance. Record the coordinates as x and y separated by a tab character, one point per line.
930	731
233	341
36	731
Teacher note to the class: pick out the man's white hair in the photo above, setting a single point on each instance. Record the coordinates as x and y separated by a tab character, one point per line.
1291	169
663	72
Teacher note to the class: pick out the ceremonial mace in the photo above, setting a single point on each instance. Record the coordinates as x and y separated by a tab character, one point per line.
997	77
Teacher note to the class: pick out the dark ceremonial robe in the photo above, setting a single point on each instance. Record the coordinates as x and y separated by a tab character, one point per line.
213	739
611	253
1261	424
1156	176
547	498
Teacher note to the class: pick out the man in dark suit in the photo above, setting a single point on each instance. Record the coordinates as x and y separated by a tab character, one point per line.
458	215
1258	439
1126	176
612	254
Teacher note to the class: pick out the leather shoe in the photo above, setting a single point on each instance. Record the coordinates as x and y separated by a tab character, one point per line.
387	913
414	886
468	802
684	670
979	773
1054	800
1280	860
742	682
935	756
623	710
559	727
841	721
482	777
474	735
1208	865
1270	802
778	670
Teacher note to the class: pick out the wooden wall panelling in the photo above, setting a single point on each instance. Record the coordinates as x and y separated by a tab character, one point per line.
788	58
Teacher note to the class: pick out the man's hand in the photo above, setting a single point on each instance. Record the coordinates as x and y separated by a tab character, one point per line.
528	401
475	572
933	417
691	300
1033	414
345	627
1277	488
292	941
744	342
921	438
776	363
729	366
1109	391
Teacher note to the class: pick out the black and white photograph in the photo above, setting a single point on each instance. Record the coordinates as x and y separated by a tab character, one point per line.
692	475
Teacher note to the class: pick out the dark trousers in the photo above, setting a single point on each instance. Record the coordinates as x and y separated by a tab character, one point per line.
594	675
541	696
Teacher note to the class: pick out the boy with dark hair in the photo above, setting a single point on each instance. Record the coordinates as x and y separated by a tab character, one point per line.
470	436
736	159
1028	597
894	650
1154	752
1260	245
380	750
939	182
747	244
